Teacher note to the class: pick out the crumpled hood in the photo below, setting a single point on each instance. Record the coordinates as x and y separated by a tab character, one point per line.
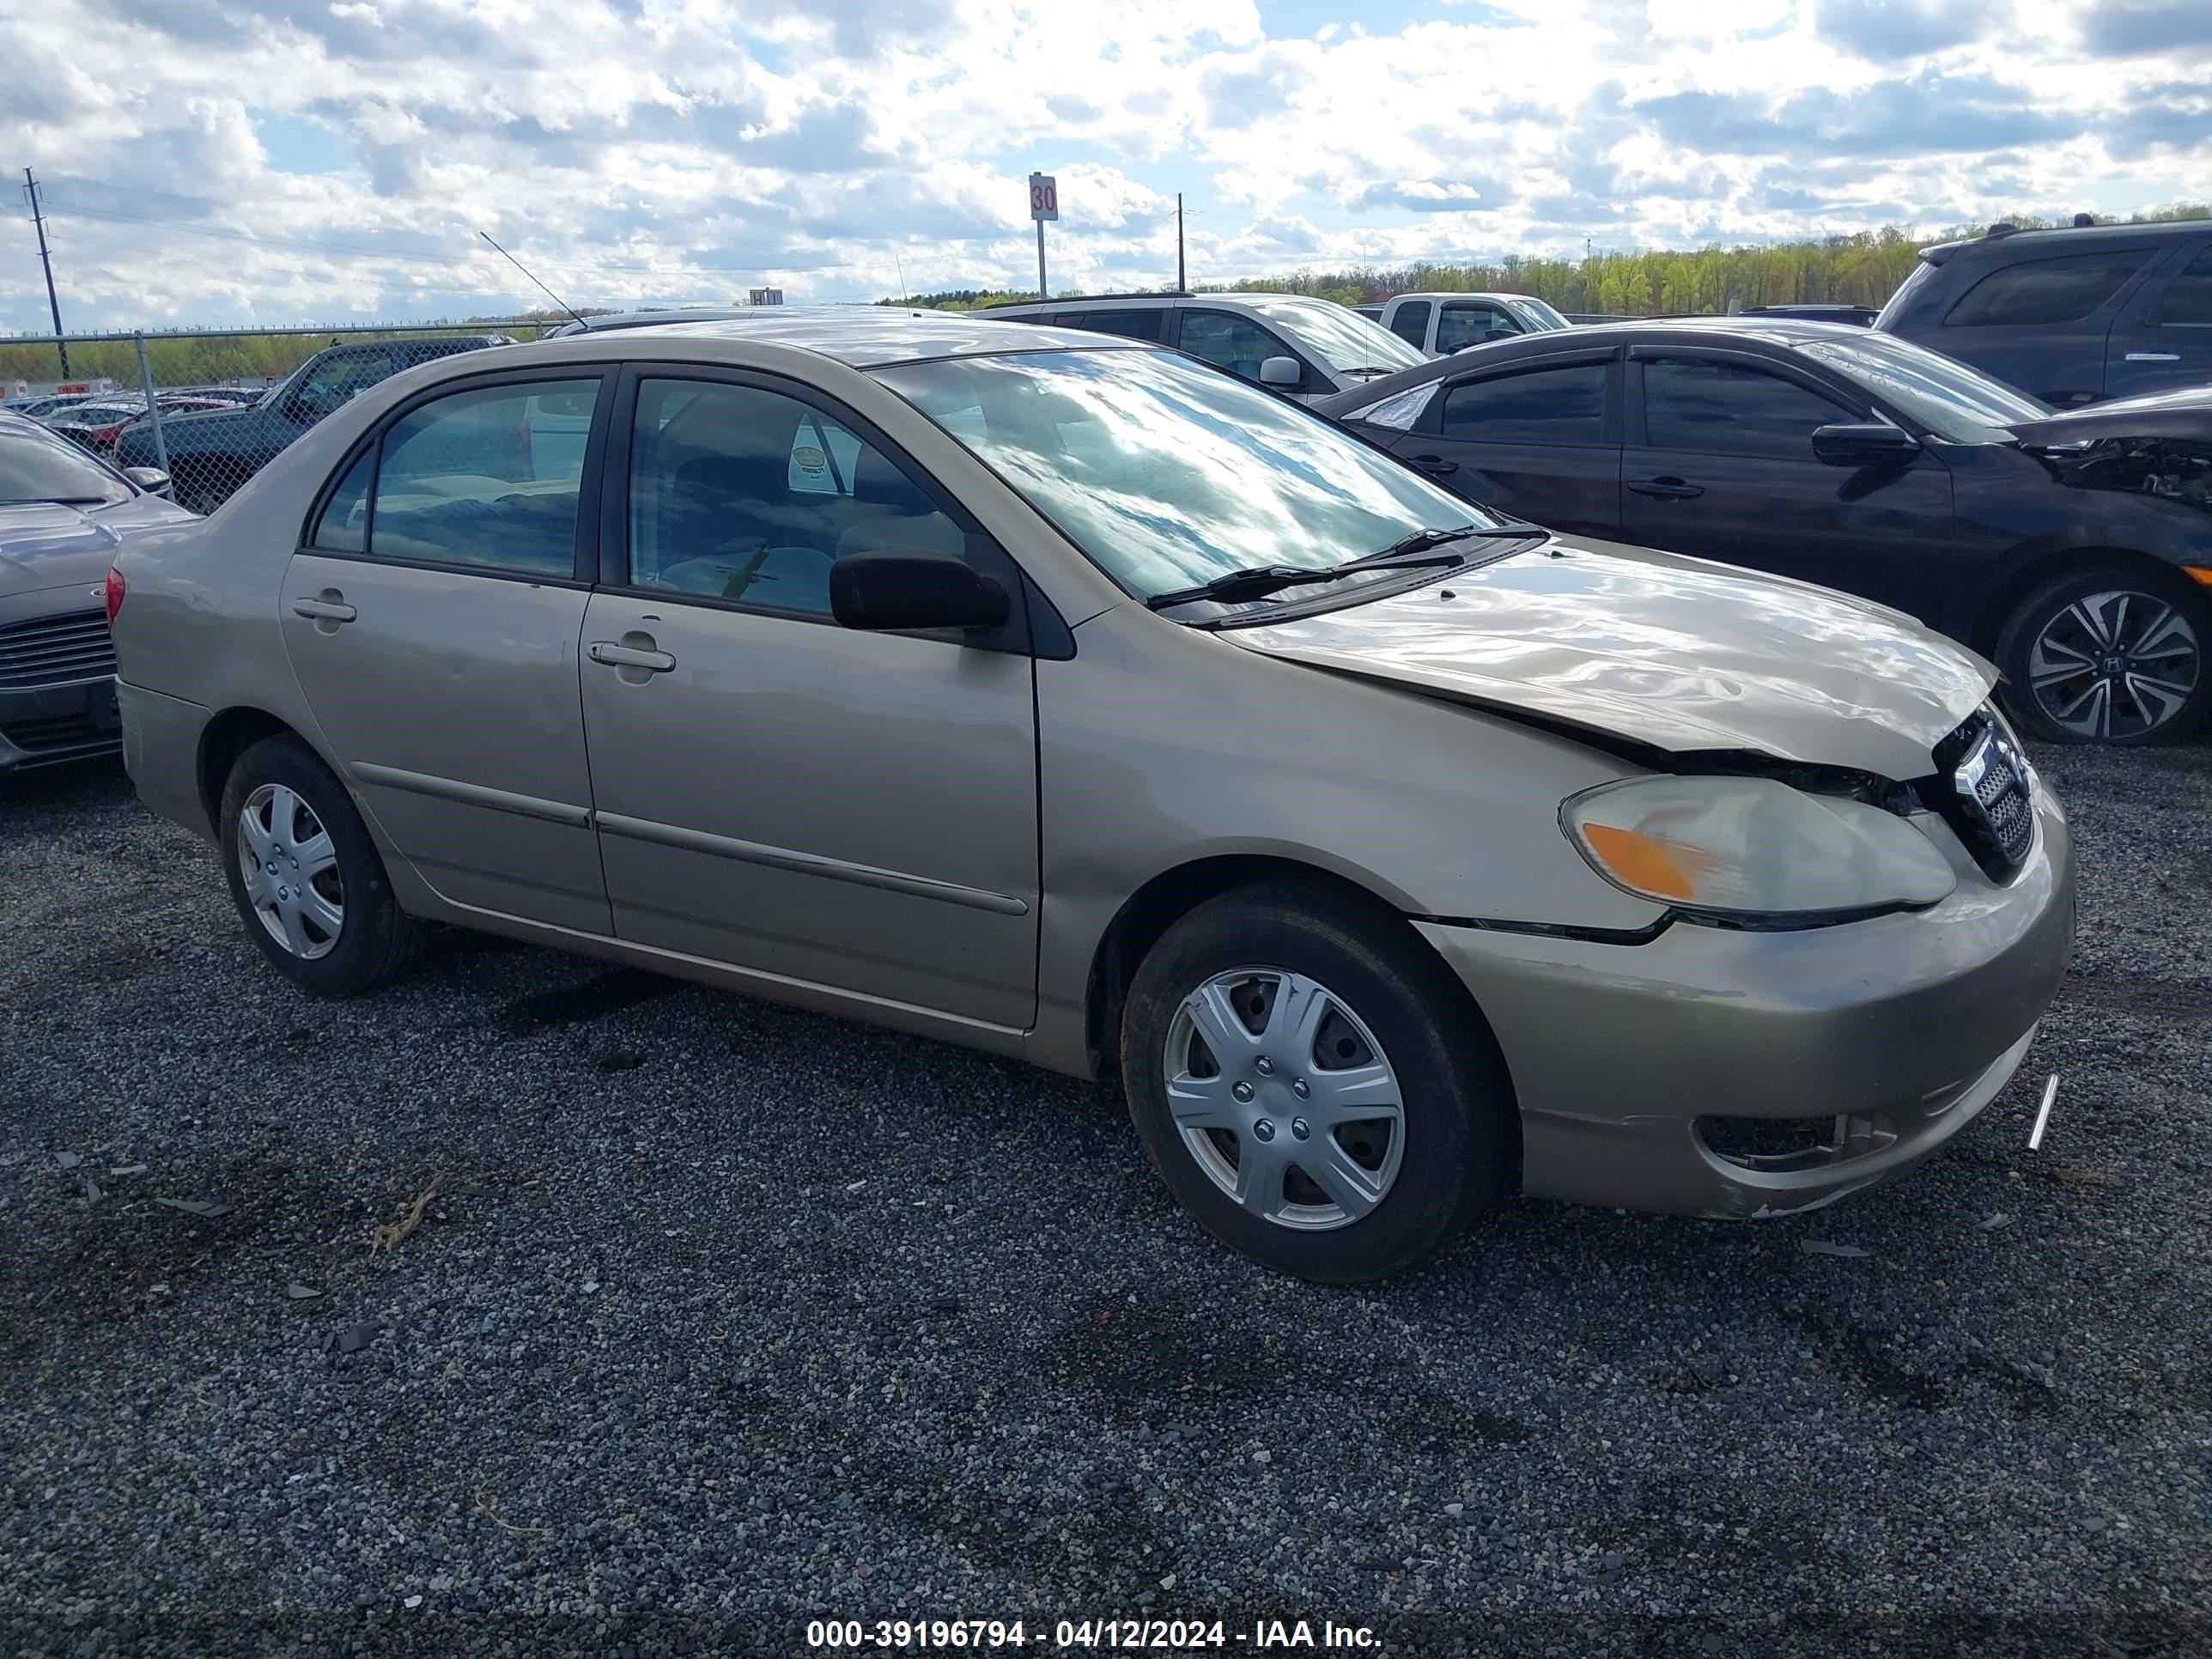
1676	654
44	544
2185	415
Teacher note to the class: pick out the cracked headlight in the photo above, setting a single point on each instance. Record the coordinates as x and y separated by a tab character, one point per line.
1752	847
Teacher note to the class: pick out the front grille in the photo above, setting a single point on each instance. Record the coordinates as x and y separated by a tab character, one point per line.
1982	789
56	650
58	737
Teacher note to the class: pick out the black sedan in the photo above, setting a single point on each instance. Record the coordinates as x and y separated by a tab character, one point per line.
2080	560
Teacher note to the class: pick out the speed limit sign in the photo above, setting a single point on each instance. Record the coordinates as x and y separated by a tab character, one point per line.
1044	197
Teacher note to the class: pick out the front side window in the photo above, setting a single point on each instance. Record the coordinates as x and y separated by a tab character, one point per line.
1335	335
1167	474
2187	302
2045	291
1731	409
1466	325
331	382
1230	342
742	494
1410	322
35	467
1563	405
485	479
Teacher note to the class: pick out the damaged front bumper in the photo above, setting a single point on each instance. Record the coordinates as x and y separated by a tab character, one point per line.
1741	1074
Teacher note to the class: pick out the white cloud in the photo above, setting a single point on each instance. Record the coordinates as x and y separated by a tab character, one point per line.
228	160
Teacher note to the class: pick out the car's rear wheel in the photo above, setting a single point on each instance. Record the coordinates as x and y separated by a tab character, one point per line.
307	880
1313	1086
2108	655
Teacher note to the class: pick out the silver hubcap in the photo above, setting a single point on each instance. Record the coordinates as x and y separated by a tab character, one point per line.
2114	666
1285	1099
291	872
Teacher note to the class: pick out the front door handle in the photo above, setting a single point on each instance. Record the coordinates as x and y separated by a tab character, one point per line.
325	607
1666	489
630	656
2154	356
1436	464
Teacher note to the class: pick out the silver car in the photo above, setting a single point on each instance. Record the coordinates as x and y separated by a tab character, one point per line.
63	515
1062	696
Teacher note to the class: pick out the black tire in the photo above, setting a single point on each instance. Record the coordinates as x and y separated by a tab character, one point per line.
1460	1148
2049	609
376	940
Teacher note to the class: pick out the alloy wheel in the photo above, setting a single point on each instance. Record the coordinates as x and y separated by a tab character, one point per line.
1283	1098
2114	666
291	872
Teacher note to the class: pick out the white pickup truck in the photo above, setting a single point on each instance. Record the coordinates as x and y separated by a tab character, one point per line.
1441	323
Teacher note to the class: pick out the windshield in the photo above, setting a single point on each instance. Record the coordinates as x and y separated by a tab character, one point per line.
37	468
1168	473
1960	404
1535	315
1342	338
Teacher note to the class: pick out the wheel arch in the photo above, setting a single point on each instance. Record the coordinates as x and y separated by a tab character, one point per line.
223	739
2049	565
1174	893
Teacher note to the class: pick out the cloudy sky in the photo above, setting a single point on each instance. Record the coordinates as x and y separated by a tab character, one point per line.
284	160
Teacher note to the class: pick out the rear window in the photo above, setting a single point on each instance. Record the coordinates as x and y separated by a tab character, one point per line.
1129	325
2046	291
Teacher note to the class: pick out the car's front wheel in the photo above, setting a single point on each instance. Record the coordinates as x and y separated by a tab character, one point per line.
309	881
2108	655
1312	1086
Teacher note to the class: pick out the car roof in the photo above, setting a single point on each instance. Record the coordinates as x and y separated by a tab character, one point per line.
867	337
2057	239
1779	331
1461	294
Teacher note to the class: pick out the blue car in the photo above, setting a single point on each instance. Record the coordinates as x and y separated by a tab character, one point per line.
64	514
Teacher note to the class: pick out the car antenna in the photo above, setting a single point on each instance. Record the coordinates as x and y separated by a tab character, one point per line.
542	289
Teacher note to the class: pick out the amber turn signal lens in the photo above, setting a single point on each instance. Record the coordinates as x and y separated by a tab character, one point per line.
1650	864
2198	572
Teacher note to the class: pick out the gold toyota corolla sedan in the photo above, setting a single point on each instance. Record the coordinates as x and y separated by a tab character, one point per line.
1064	696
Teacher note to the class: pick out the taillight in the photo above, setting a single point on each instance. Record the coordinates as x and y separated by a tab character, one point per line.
114	593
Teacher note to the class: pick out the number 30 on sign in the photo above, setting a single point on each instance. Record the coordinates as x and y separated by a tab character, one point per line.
1044	196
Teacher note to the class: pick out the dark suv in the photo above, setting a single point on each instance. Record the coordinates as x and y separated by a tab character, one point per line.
2070	316
209	456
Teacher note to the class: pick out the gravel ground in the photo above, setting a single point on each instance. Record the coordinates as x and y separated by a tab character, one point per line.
727	1316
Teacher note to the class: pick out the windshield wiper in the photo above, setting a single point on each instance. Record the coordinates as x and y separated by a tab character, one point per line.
55	501
1402	552
1252	582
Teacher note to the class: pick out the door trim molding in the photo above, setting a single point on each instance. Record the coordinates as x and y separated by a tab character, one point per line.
473	794
807	864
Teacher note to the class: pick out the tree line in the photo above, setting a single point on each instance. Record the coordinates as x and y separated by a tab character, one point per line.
1863	269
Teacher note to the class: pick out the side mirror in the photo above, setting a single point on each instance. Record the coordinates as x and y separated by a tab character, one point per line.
151	479
888	593
1283	374
1872	444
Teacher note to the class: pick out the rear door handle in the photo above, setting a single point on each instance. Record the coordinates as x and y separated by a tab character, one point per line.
1666	490
2154	356
1436	464
629	656
329	610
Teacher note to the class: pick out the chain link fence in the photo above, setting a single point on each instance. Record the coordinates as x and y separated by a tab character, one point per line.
208	409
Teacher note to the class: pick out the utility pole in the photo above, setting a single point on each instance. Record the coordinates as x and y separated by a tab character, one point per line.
1181	286
45	259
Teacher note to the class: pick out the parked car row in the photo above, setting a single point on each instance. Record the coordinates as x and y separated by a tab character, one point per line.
1093	706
